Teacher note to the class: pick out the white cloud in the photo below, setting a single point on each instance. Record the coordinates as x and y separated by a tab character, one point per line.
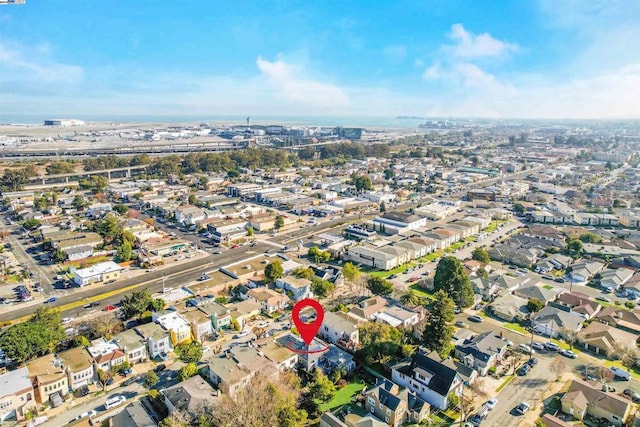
20	62
292	87
434	72
395	52
470	45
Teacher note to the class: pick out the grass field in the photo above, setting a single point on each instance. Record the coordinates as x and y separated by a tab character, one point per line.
397	270
505	382
516	327
343	396
422	293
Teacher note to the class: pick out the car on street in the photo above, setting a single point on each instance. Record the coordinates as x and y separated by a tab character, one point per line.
524	370
508	342
491	403
87	414
66	320
91	305
533	361
109	308
475	318
602	298
608	290
620	373
109	381
263	324
550	346
633	395
525	349
51	300
161	367
241	334
163	356
568	353
537	346
461	324
522	408
129	381
114	401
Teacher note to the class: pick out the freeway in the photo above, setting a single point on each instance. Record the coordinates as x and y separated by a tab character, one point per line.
176	275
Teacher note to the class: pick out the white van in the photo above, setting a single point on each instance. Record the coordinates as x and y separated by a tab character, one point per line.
620	373
114	401
526	349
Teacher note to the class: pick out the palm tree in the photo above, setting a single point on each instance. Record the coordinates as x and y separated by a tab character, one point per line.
410	298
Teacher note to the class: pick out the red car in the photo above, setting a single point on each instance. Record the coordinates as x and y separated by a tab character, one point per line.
109	308
414	279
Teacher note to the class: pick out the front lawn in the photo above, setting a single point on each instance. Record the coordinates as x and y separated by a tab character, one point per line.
634	372
516	328
422	293
344	395
397	270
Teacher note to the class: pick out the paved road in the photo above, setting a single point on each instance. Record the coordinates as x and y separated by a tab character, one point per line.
179	274
41	273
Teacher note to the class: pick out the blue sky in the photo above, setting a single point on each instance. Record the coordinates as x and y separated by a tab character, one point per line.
529	59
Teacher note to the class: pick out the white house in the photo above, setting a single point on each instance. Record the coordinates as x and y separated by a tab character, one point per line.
368	255
158	339
339	329
178	328
105	272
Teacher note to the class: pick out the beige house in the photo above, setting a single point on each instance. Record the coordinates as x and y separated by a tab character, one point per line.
49	380
243	311
387	402
78	364
582	399
603	339
270	301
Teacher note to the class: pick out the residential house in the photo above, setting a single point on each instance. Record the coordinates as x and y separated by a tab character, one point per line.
398	317
157	338
620	318
178	328
336	358
541	293
544	232
16	394
189	396
584	271
308	356
133	346
509	307
414	249
105	272
283	358
296	287
396	222
554	322
615	279
338	328
582	399
427	378
79	367
388	403
49	380
133	415
219	314
403	255
243	311
201	326
233	371
578	303
481	352
270	301
604	339
367	309
106	354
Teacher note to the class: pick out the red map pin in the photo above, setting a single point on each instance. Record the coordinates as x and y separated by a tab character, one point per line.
307	331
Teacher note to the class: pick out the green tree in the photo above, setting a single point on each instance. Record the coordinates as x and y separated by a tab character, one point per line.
58	255
481	272
121	367
139	301
35	337
273	271
279	222
321	389
103	376
410	298
451	278
350	272
388	174
480	254
303	273
590	238
124	252
379	286
574	248
150	379
361	182
518	208
187	371
250	232
189	353
317	255
379	341
14	179
438	330
56	168
534	305
321	287
121	209
31	224
78	202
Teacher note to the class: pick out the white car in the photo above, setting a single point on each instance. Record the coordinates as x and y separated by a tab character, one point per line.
568	353
114	401
66	320
241	334
263	324
206	349
88	414
491	403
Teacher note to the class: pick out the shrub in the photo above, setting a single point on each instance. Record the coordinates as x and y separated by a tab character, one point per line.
492	370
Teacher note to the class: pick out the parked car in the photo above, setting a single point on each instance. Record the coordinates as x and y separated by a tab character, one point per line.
109	381
51	300
525	349
461	324
491	403
532	362
602	298
115	401
524	370
88	414
620	373
161	367
475	318
241	334
537	346
522	408
263	324
551	346
163	356
91	305
568	353
634	395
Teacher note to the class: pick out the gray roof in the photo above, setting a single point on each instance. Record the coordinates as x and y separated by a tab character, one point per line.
133	415
401	217
129	340
483	346
191	395
14	382
339	323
